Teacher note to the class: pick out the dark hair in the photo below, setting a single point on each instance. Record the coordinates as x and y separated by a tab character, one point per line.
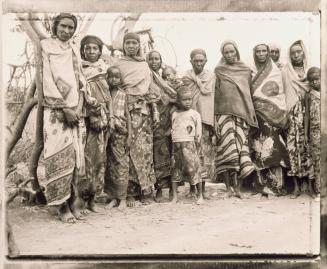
90	39
182	90
58	18
312	70
166	68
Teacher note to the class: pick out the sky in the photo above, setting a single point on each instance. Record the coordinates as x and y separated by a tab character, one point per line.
176	34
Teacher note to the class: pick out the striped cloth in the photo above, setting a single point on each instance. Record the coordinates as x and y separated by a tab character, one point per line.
119	104
233	150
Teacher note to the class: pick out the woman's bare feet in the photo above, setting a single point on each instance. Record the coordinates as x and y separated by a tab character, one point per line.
112	204
200	200
174	200
65	215
122	205
93	207
130	201
159	197
76	207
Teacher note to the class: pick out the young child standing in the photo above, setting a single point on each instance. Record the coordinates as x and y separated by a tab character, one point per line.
186	137
312	125
116	181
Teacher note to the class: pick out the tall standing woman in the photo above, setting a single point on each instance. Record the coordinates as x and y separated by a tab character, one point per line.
64	128
142	98
234	114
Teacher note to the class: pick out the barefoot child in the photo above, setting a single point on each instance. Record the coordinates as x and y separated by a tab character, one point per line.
116	182
312	126
186	137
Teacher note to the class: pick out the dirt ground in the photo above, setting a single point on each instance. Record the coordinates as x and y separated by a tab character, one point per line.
221	226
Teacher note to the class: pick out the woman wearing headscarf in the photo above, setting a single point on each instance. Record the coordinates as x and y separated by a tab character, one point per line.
296	85
162	144
142	98
98	115
64	128
275	51
268	148
234	114
201	82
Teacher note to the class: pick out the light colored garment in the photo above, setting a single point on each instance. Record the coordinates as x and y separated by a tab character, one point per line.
186	126
61	83
136	75
63	145
268	93
202	86
295	84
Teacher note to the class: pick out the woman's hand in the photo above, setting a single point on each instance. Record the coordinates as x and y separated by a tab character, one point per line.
71	116
95	123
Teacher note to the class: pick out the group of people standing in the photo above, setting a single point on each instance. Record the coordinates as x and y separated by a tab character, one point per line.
115	131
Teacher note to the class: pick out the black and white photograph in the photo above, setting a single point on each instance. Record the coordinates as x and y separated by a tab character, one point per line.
163	134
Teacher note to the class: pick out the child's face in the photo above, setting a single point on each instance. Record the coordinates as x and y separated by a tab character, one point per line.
114	77
185	101
168	74
92	52
314	81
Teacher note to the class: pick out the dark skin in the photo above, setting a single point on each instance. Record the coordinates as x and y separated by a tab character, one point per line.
114	80
230	177
184	103
65	29
275	54
198	62
261	54
297	55
154	61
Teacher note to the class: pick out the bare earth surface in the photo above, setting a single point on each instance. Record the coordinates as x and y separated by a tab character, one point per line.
221	226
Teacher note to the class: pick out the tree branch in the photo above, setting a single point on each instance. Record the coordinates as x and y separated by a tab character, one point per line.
19	126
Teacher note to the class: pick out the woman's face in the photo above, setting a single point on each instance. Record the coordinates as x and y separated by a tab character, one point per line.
198	62
261	53
297	55
154	61
65	29
92	52
229	54
131	47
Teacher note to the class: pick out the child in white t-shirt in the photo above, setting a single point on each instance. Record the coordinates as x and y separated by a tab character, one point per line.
186	136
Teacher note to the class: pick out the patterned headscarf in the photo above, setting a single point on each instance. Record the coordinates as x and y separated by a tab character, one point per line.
61	16
90	39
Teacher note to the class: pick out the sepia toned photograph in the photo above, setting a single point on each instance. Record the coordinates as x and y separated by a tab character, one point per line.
140	134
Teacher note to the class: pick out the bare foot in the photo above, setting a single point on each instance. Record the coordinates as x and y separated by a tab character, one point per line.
239	195
76	207
159	197
147	199
93	207
122	205
65	215
206	196
112	204
85	211
200	200
130	201
295	195
191	195
174	200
